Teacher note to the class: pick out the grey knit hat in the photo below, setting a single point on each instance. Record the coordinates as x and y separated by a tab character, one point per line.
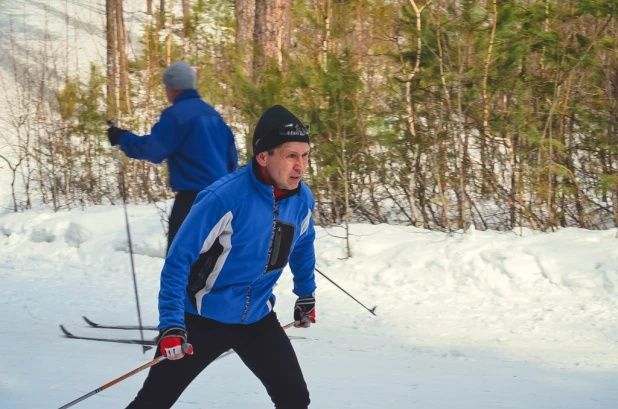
180	76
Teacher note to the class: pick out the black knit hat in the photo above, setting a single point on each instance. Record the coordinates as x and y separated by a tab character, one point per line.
277	126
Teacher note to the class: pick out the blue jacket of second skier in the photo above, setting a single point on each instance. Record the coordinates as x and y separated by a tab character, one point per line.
232	248
192	136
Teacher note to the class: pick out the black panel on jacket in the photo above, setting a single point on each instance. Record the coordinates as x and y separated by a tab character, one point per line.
201	269
281	245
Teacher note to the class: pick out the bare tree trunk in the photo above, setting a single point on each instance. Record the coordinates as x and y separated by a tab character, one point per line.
581	216
410	109
284	31
162	13
110	15
561	138
415	155
265	34
463	170
333	200
614	207
186	15
245	25
492	37
546	29
461	136
342	169
122	57
14	169
326	11
346	193
169	34
148	63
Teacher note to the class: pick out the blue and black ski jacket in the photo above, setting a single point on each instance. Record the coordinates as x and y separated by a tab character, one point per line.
192	136
232	248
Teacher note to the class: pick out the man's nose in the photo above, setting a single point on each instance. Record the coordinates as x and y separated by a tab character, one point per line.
298	164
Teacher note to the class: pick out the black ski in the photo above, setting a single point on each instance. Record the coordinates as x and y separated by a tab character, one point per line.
148	344
67	334
136	327
127	327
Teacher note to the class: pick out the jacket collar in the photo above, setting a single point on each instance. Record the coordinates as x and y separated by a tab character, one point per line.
264	189
190	93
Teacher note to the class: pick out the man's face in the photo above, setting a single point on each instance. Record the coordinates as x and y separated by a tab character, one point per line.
287	164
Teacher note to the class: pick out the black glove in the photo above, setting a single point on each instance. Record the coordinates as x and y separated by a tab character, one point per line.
304	311
173	342
113	134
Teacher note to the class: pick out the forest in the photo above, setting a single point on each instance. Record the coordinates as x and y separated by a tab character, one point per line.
439	114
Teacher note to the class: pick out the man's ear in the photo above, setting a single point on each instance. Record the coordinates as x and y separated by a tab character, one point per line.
261	158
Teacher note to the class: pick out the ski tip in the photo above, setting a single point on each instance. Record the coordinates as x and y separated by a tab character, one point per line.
91	323
65	331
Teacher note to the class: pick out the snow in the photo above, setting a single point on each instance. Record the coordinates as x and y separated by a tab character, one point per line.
479	320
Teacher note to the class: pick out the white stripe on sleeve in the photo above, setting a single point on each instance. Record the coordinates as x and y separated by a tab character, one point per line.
305	224
223	231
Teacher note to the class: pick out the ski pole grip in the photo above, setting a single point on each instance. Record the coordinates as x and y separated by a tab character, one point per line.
187	348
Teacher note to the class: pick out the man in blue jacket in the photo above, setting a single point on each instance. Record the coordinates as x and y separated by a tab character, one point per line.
191	135
217	282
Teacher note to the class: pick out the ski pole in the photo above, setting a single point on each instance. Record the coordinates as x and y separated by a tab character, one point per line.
186	347
126	218
370	310
115	381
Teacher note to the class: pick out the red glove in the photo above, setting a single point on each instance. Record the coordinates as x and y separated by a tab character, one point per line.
304	311
173	343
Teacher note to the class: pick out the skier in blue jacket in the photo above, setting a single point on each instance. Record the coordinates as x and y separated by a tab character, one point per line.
217	283
191	135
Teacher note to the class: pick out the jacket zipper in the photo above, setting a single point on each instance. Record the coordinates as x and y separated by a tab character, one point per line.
272	236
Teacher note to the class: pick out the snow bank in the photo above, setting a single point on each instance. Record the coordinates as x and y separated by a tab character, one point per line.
529	297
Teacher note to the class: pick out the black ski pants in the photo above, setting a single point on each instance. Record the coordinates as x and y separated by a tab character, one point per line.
263	347
180	209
